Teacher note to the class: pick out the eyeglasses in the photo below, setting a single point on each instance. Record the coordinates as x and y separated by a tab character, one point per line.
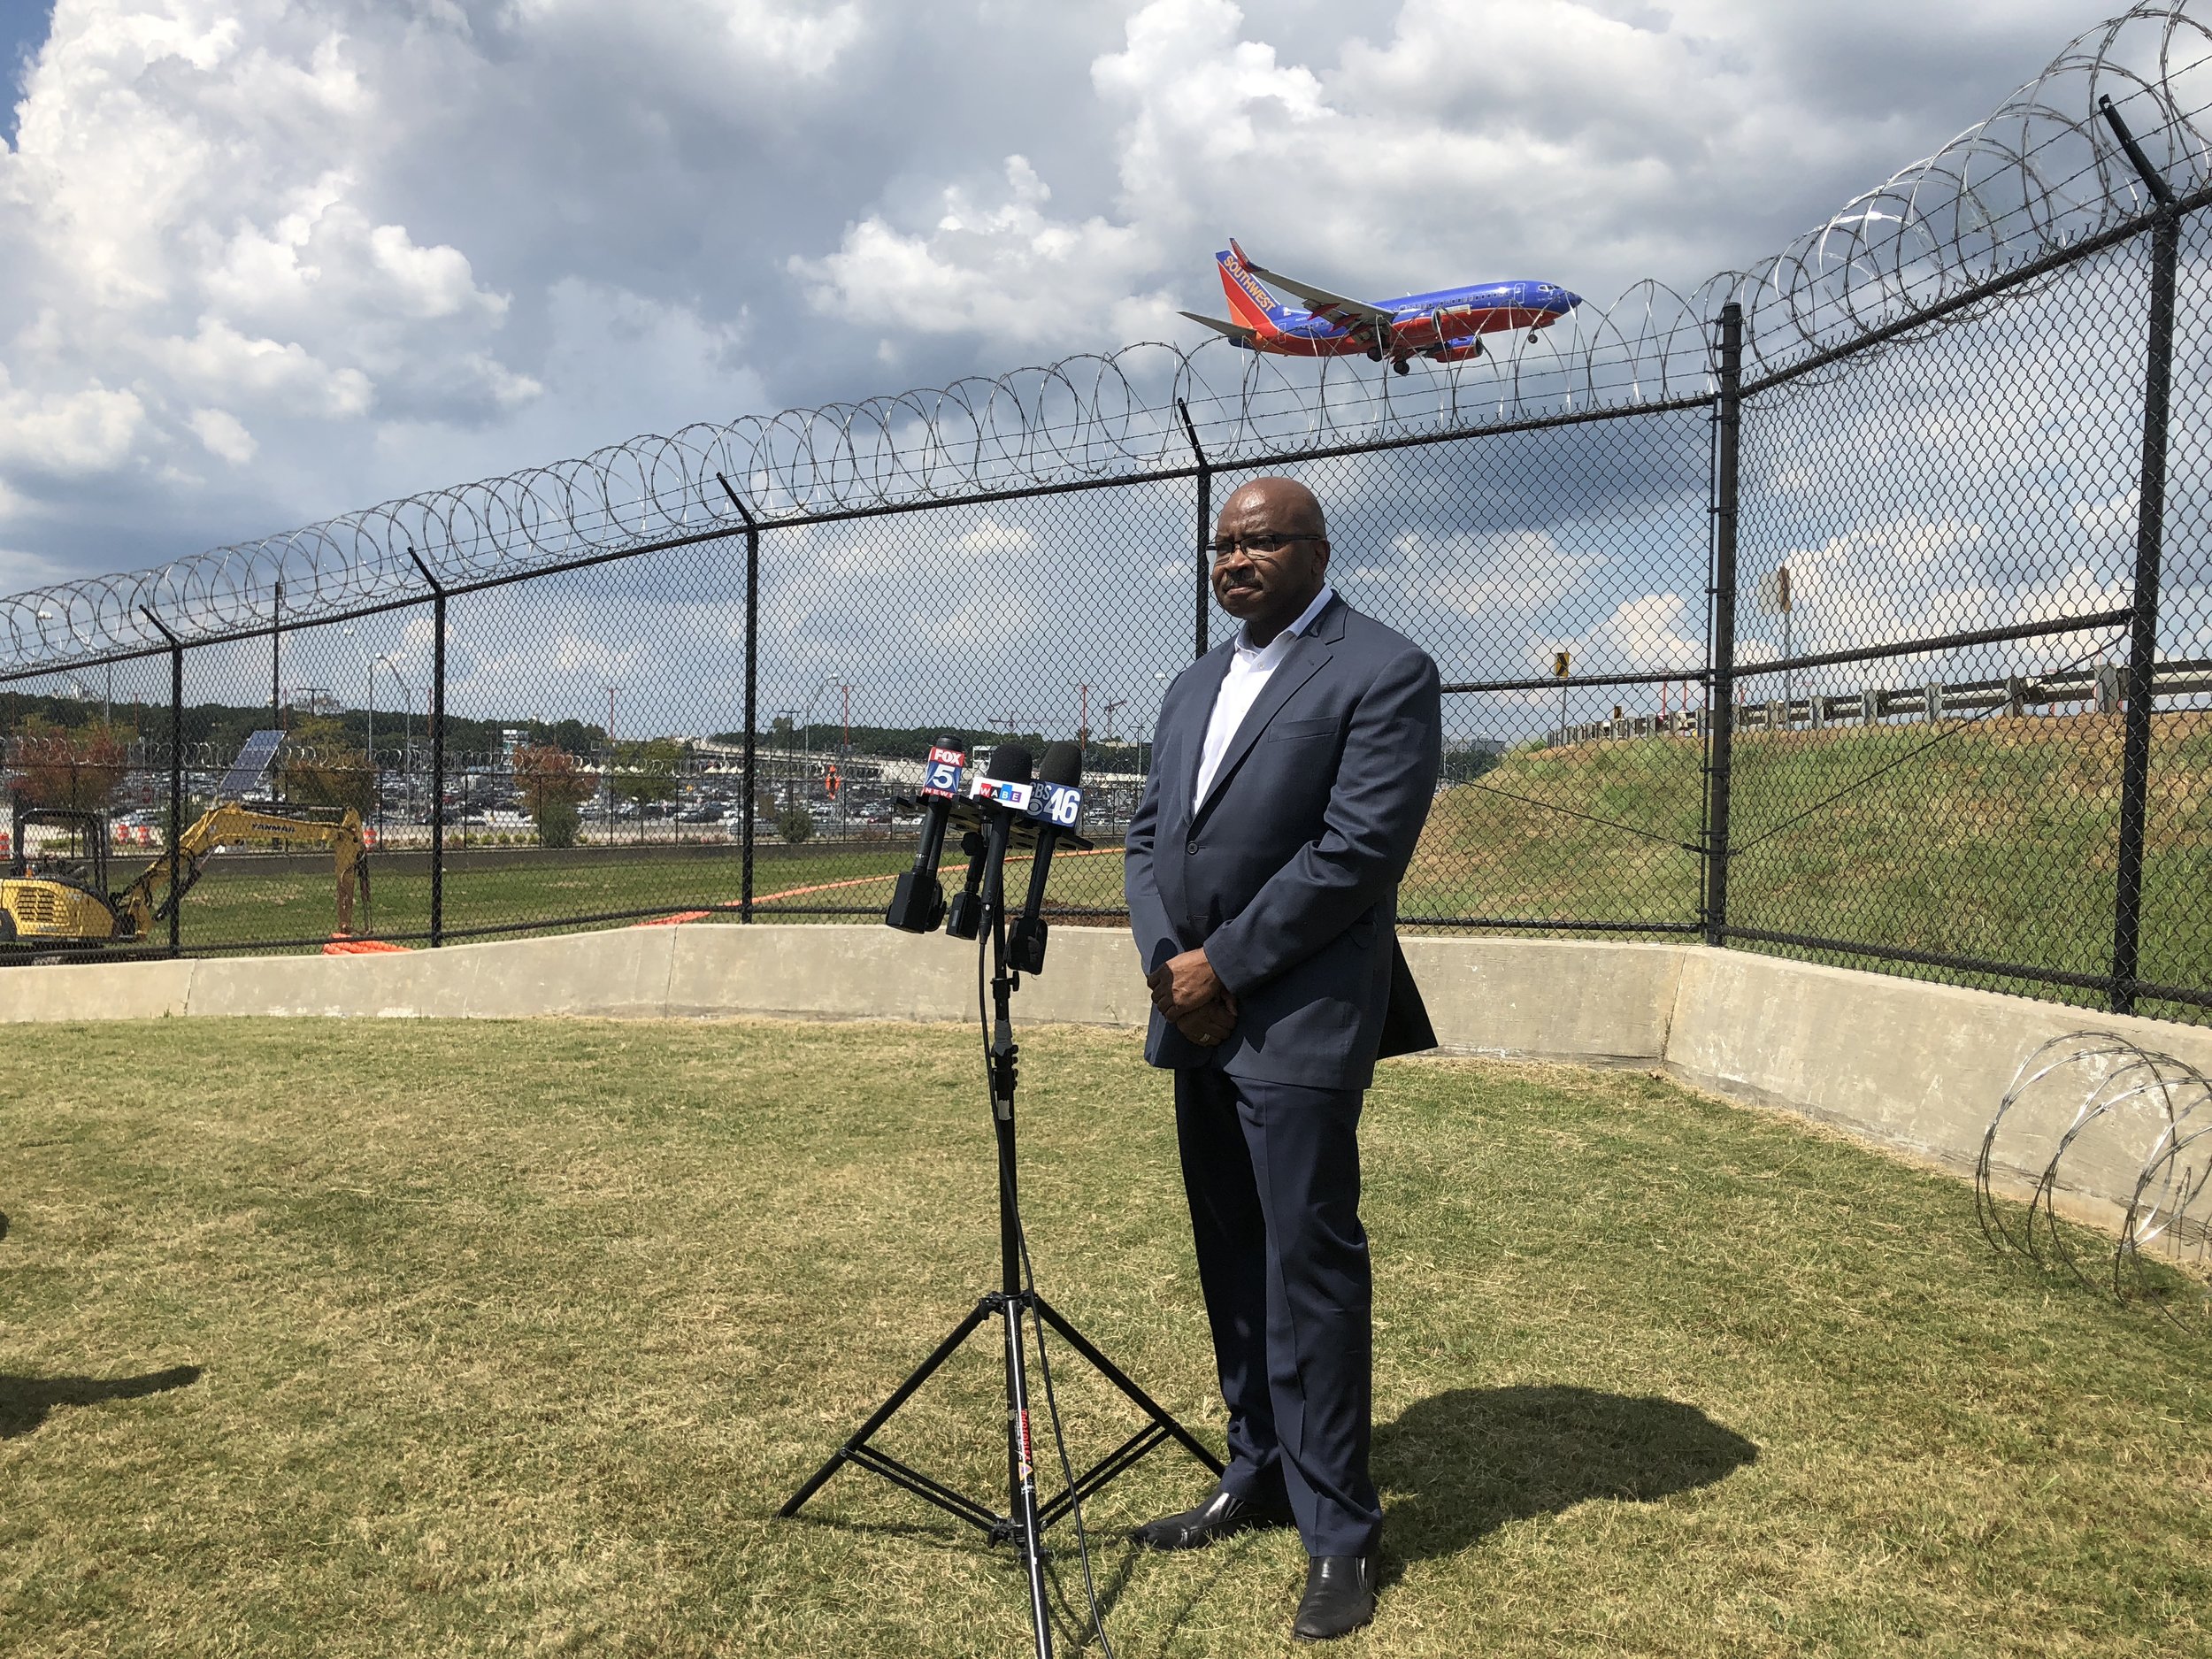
1265	544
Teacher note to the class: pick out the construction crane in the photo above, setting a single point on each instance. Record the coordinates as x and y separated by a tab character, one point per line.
59	895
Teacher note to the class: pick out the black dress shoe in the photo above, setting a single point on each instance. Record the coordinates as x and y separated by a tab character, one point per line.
1217	1517
1340	1596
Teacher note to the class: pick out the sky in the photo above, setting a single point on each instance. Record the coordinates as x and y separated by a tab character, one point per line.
262	261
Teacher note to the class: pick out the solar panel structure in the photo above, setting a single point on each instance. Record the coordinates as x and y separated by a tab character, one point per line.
249	773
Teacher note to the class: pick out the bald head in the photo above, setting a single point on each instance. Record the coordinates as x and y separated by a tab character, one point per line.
1283	500
1270	555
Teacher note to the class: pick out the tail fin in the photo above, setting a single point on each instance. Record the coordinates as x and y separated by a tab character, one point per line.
1249	303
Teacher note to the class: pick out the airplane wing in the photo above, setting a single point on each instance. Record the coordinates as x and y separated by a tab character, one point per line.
1335	307
1235	331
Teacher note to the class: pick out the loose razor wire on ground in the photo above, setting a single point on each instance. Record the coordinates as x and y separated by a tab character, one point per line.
2092	1113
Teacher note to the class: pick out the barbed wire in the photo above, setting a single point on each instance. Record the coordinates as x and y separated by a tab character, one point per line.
2040	175
2091	1115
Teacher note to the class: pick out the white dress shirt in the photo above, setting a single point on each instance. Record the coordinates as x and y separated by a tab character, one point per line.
1250	668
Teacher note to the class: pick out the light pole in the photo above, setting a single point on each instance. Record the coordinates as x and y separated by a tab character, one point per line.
105	718
85	691
806	740
790	790
806	735
376	778
606	773
1159	702
1113	707
406	729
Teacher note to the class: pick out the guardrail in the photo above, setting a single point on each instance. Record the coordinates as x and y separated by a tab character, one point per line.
2105	688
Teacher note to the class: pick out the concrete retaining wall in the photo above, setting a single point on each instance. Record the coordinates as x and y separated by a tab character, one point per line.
1910	1065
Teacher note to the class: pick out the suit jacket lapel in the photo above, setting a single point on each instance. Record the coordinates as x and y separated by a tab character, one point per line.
1309	653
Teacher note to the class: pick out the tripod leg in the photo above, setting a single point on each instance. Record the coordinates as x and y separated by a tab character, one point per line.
1021	1471
899	1397
1113	1374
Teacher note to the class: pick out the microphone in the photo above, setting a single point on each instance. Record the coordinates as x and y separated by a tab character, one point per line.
918	904
1005	785
1057	806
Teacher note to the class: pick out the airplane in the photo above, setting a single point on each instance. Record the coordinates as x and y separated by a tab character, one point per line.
1446	326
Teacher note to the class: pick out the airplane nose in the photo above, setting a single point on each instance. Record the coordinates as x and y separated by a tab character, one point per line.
1566	301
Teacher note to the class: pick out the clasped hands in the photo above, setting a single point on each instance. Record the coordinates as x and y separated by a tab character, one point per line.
1190	997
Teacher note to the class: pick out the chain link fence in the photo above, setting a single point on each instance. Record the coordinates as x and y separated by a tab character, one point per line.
1857	608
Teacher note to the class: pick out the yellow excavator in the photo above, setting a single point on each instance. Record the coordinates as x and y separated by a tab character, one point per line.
57	894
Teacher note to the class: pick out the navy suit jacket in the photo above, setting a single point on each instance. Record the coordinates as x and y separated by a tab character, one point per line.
1288	872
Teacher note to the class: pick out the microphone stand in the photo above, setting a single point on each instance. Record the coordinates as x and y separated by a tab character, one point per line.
1014	1305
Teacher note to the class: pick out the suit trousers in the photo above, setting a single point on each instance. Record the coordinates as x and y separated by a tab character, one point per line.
1271	1170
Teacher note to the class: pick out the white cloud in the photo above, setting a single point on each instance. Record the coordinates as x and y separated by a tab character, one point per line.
1200	99
991	536
429	281
2110	518
66	434
980	622
1507	572
281	375
225	435
986	269
1651	634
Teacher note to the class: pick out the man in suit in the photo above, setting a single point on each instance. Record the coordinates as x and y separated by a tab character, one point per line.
1292	773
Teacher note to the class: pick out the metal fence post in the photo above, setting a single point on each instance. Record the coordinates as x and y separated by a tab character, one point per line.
752	692
1721	737
176	776
276	657
2135	753
1205	523
437	752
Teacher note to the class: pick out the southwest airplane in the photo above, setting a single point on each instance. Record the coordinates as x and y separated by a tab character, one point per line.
1446	326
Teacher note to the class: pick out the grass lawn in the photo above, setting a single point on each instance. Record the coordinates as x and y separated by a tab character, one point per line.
1999	841
426	1338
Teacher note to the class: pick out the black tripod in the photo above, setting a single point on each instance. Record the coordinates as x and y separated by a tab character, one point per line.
1012	1303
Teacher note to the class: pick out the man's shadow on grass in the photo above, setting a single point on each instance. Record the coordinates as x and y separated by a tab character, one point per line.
25	1402
1460	1465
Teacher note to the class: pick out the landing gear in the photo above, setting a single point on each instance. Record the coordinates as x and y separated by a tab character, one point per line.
1401	366
1374	354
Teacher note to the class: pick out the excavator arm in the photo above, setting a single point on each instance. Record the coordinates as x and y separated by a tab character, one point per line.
146	900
